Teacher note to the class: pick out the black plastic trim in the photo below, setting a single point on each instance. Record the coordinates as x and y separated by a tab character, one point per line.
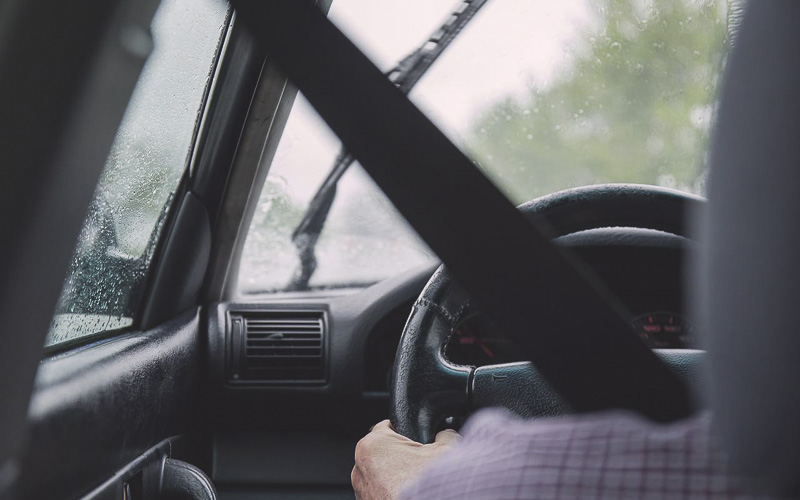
184	481
176	280
232	370
189	224
226	112
141	477
95	409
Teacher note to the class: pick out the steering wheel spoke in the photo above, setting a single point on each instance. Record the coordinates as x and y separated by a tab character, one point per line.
426	386
517	387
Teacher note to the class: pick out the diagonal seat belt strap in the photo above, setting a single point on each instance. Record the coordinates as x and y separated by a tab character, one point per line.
568	325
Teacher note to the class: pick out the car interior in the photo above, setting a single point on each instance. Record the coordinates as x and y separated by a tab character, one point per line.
177	325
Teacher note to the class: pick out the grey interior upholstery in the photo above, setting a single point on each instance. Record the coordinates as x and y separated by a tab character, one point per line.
750	299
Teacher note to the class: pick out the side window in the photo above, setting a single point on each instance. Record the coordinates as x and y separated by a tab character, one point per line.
104	284
363	239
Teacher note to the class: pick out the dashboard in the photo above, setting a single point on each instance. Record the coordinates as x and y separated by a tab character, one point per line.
477	341
344	343
643	268
353	340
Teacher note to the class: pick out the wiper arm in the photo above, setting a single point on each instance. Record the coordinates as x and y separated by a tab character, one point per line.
307	233
405	76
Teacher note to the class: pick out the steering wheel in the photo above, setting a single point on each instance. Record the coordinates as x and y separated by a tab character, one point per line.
427	387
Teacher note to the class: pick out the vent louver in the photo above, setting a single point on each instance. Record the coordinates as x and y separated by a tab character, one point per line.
278	347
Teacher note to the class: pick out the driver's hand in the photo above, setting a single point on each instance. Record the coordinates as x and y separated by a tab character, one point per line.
386	461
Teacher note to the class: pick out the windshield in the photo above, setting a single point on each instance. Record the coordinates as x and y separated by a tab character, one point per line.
542	95
583	92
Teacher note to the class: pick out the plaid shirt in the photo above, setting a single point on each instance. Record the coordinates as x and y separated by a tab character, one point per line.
607	455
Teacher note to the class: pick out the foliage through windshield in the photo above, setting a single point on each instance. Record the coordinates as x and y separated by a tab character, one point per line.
635	105
542	95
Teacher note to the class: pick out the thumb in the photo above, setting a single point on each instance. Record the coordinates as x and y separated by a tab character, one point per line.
448	437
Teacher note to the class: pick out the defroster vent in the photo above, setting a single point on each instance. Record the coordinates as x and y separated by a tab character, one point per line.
277	346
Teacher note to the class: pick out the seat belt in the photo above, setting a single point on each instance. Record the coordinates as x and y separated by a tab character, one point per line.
552	307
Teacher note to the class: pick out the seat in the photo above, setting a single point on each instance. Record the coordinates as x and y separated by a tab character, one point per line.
750	275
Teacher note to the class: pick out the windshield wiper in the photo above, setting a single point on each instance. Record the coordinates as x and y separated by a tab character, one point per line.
405	76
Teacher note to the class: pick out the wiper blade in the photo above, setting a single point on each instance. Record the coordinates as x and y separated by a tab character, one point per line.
408	72
405	76
307	233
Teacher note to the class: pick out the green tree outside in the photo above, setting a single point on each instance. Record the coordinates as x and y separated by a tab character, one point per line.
635	105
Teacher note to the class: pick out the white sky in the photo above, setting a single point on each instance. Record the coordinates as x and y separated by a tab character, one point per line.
510	45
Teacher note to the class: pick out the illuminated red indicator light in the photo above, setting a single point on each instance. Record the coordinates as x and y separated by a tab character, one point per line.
663	330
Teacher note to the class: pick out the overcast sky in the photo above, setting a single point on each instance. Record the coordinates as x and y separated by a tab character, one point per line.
509	46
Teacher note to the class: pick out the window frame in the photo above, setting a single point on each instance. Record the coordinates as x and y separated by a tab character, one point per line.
170	210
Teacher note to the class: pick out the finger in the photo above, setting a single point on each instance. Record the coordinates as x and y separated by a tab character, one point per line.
357	481
383	425
448	436
384	433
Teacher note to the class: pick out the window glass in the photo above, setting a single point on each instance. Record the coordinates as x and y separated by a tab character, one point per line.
364	238
547	95
148	157
542	95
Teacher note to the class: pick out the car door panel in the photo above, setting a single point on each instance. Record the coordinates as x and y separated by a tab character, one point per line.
96	408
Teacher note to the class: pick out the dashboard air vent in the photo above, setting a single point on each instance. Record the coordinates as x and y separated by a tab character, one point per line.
278	346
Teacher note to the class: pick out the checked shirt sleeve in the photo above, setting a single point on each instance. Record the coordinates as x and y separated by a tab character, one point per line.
602	456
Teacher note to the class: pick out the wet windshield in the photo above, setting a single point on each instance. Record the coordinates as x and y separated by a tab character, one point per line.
405	76
542	95
576	93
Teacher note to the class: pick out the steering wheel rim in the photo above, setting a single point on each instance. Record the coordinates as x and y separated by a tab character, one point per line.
426	386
